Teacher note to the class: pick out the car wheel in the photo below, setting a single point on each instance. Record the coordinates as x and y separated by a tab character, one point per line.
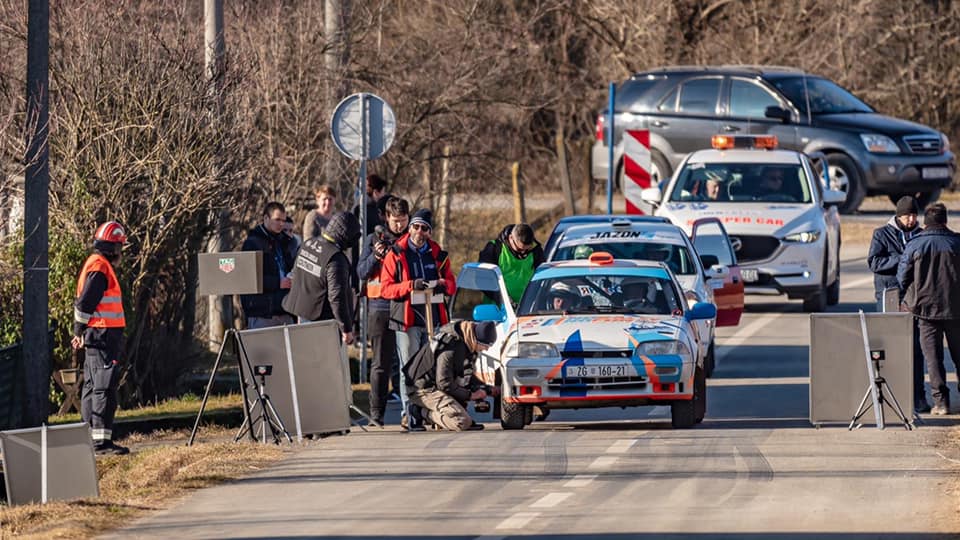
710	362
833	291
659	170
683	414
700	395
513	415
817	302
845	176
923	199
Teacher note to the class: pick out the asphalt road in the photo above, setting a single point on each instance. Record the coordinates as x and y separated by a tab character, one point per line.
755	468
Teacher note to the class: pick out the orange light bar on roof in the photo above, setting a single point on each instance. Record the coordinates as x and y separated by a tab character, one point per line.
601	258
727	142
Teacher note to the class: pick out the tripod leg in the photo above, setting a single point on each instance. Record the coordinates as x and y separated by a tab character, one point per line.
275	422
206	393
861	410
908	425
241	359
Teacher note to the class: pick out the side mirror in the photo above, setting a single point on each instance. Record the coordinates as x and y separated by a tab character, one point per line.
709	260
651	195
834	196
701	311
488	312
777	112
718	271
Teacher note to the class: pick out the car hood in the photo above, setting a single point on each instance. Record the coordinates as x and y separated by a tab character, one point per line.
871	123
754	218
599	332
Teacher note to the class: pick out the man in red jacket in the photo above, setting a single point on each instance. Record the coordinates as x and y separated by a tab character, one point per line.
412	264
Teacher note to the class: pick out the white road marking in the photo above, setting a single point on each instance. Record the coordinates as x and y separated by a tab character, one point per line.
758	381
603	462
551	499
580	480
518	520
621	446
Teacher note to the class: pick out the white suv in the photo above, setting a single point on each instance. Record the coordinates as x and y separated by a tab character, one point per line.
783	223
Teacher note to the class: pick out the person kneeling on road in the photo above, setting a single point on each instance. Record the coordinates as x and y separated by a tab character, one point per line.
443	379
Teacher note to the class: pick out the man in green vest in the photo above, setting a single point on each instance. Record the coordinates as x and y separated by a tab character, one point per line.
518	254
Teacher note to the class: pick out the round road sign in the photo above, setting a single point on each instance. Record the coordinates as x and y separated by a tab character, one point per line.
350	131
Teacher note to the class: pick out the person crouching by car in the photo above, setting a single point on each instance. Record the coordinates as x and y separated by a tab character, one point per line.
443	382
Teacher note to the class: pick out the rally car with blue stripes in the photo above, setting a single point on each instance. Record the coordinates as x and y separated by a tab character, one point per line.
589	333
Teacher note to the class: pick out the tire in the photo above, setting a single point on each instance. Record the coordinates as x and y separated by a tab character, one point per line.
512	415
817	302
699	395
527	415
833	291
845	175
710	362
923	199
659	170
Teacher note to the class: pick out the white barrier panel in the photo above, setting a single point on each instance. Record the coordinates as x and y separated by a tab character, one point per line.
49	463
636	170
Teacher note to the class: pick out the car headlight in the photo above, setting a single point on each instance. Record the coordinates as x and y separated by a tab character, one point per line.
656	348
879	144
805	237
532	349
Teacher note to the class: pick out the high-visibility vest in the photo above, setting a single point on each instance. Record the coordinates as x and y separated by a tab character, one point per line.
109	312
373	288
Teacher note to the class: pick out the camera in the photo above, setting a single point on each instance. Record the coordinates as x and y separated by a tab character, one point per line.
263	370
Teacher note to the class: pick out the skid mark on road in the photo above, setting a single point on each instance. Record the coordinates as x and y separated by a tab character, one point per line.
555	455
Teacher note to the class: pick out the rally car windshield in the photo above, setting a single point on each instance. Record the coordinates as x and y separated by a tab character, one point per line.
743	183
600	294
677	257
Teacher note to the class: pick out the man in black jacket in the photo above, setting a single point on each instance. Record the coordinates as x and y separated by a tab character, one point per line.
929	275
442	387
265	309
517	253
883	258
321	276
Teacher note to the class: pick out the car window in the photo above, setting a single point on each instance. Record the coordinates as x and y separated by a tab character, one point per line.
631	91
677	257
710	240
699	96
824	96
599	293
669	103
750	100
742	182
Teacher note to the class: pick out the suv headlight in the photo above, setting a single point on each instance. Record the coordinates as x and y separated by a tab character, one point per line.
879	144
655	348
532	349
805	237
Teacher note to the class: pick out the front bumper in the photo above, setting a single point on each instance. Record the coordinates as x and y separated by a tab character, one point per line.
795	270
903	173
544	382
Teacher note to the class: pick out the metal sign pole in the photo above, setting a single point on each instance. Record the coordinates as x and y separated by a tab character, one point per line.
364	153
611	169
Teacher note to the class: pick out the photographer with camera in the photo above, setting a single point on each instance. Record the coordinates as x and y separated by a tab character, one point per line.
396	214
441	378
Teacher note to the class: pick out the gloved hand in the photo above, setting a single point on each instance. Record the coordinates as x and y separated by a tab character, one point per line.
441	288
419	285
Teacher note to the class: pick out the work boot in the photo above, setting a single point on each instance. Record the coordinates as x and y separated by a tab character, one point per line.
921	406
941	407
476	426
107	448
414	418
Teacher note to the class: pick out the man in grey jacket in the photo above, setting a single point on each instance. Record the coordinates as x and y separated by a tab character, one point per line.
929	275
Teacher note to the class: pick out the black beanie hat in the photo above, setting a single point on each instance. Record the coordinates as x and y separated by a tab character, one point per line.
907	205
343	229
486	332
422	216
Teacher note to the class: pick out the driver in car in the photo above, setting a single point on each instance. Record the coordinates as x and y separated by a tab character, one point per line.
636	296
771	183
562	297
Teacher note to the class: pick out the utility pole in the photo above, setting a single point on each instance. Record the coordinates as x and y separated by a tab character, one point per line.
336	31
220	312
36	293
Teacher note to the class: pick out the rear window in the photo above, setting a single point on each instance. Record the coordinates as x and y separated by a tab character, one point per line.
742	182
632	91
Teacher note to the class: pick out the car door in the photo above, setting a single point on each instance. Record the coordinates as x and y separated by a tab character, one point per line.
480	290
744	108
687	116
711	240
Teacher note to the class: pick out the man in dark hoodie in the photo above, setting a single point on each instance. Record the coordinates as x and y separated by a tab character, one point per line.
321	276
517	253
264	309
883	258
929	275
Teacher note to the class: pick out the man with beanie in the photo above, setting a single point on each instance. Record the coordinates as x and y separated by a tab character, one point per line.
98	323
321	276
929	275
883	258
518	254
413	264
382	338
265	309
443	382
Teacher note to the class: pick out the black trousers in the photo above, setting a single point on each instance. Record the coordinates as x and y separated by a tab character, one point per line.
98	403
384	343
932	333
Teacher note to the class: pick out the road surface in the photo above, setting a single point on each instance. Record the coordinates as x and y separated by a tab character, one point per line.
755	468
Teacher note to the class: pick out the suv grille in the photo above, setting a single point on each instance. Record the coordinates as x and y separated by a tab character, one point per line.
754	248
923	144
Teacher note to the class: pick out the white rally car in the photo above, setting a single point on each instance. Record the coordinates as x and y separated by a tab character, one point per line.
782	221
589	333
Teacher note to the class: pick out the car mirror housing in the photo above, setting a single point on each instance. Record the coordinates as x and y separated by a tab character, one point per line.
488	312
701	311
777	112
834	196
651	195
709	260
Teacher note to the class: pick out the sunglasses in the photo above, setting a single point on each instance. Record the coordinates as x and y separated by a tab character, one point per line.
420	227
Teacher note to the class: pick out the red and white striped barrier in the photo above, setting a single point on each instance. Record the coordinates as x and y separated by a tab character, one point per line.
636	169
